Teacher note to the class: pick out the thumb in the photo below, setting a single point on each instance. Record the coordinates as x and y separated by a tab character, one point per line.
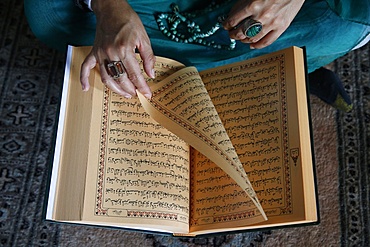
88	64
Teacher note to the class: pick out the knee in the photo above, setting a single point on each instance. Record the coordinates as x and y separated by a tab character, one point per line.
58	23
41	22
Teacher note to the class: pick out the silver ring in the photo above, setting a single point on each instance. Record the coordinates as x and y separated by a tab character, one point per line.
251	27
116	69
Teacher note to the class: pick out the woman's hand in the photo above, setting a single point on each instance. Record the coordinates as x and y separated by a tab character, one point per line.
275	16
119	32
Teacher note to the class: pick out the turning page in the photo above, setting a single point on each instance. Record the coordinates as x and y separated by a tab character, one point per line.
182	104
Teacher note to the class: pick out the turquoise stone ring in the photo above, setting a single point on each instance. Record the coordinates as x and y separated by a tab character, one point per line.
251	27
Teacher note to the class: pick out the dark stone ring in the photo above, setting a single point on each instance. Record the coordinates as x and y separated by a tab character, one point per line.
116	69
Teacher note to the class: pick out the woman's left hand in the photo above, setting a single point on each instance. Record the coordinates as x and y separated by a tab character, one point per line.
275	16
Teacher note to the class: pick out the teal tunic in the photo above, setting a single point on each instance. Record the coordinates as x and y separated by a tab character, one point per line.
328	29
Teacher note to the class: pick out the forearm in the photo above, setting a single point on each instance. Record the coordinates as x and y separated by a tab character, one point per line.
110	9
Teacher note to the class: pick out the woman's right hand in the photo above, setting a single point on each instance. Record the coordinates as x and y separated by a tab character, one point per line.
119	32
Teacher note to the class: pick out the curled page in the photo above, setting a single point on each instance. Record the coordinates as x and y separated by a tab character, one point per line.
182	104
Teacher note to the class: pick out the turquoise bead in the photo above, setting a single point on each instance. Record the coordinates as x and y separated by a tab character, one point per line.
168	24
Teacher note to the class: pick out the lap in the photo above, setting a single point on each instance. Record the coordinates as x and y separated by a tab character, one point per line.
324	34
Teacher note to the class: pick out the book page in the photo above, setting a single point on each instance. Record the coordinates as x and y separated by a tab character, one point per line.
257	103
182	105
138	175
66	197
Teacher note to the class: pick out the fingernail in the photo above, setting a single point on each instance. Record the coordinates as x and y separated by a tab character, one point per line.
148	96
128	96
152	74
252	47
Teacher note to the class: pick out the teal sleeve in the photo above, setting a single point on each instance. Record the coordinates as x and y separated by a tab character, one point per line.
352	10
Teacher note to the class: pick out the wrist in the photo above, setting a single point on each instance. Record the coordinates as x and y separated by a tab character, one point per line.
111	11
102	5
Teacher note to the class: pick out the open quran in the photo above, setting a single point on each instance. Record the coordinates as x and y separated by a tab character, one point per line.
224	149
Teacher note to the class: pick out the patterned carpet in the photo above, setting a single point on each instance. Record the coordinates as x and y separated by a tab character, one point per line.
31	76
354	149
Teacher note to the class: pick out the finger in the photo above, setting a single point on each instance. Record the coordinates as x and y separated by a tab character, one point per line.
237	14
241	32
146	54
266	40
135	76
88	64
123	88
122	83
119	88
237	34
